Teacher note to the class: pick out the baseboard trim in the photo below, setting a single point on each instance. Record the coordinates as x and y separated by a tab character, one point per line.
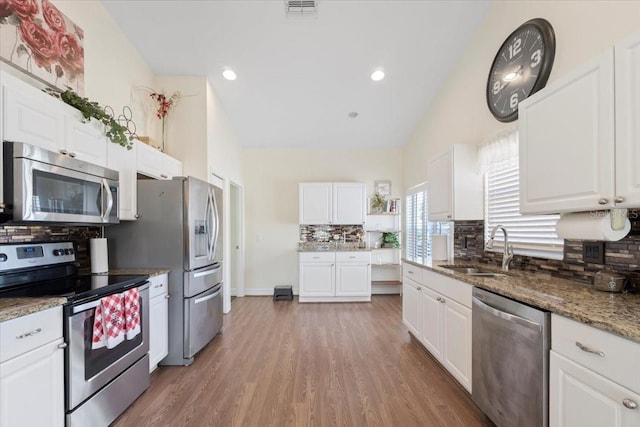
386	290
262	292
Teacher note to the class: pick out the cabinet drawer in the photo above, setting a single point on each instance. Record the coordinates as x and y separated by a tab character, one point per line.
158	285
451	288
317	257
412	272
353	257
23	334
615	358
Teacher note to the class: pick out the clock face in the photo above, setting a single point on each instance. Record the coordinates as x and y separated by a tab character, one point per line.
521	67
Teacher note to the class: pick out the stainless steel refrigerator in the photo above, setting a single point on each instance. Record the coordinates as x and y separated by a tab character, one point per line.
179	227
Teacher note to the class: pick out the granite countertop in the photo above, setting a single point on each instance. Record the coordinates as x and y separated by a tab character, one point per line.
141	271
10	308
614	312
331	247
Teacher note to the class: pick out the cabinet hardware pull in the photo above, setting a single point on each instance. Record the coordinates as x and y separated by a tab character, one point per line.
588	350
602	201
158	286
28	334
72	155
166	296
410	272
448	216
631	404
64	152
164	176
418	288
619	199
62	345
351	257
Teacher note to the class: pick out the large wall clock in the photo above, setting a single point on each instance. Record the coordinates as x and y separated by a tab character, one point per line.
521	67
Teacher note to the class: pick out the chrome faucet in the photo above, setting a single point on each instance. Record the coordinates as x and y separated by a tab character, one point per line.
507	255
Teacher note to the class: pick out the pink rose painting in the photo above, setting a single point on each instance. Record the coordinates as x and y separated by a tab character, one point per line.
38	39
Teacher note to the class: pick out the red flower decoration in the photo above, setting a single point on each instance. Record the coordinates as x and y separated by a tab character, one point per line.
52	17
25	9
165	104
44	49
71	54
6	9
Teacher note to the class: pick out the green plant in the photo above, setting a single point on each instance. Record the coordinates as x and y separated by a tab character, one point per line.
390	240
92	110
378	201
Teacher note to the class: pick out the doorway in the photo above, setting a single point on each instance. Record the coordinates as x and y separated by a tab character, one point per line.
236	245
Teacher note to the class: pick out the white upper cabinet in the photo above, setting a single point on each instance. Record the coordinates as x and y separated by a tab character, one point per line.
156	164
349	206
579	137
34	117
332	203
455	187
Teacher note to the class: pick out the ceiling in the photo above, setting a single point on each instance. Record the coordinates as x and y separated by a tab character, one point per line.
299	78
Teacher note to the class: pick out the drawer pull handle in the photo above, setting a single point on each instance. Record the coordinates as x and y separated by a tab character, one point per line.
418	288
62	345
158	286
164	176
588	350
166	296
410	272
602	201
351	257
28	334
631	404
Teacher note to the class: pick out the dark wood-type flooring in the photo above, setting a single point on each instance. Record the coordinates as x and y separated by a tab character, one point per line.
288	364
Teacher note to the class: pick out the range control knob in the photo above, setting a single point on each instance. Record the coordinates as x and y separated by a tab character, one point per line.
70	251
67	252
57	252
3	257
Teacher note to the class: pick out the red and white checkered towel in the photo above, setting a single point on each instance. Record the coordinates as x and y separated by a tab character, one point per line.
132	312
109	322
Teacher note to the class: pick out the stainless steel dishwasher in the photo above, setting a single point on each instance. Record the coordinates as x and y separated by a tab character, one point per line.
510	348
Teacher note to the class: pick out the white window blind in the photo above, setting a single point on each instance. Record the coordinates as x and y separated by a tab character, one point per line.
533	235
418	230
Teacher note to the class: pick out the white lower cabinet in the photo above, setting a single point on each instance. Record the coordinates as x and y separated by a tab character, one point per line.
158	320
437	311
594	379
32	370
331	276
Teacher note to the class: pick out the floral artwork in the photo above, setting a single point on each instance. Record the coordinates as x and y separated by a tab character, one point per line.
37	38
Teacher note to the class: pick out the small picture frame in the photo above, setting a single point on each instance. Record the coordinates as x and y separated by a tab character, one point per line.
383	188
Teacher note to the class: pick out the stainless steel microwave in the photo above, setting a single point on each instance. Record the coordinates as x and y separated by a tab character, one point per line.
44	186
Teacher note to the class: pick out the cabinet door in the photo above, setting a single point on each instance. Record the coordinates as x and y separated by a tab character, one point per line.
440	178
411	308
149	160
86	141
567	130
315	203
124	161
353	279
317	279
32	388
432	321
158	330
628	121
457	341
171	167
31	116
578	397
349	201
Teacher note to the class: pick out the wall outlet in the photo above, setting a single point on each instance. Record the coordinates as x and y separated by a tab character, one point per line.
593	252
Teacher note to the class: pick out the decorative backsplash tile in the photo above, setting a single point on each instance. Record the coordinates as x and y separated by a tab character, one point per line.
54	233
325	233
622	256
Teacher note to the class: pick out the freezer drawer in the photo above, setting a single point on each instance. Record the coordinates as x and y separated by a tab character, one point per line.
202	279
203	319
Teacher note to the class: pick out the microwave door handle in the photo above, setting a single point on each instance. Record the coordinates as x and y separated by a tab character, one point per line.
107	211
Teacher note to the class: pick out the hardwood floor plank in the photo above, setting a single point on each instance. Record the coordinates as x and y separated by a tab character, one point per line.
288	364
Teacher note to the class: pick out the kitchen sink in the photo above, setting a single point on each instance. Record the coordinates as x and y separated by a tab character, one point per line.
472	271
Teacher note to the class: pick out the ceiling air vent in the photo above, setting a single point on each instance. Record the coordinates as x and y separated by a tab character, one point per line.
298	8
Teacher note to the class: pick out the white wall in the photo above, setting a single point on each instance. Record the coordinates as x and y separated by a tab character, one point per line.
460	114
271	202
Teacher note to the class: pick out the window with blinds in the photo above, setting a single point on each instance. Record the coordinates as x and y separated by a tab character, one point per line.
533	235
418	230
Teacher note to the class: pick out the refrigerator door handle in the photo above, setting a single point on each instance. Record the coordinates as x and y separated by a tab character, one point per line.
217	221
209	224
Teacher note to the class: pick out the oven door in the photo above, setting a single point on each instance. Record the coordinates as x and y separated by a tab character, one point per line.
88	370
45	192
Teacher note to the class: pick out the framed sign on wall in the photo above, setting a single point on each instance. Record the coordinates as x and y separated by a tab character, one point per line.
383	188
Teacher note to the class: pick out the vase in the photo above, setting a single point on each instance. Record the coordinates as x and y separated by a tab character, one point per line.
162	137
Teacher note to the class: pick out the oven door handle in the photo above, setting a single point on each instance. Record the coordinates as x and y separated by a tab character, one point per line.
93	304
107	211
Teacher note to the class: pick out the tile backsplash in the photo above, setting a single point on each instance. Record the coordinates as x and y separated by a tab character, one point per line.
622	256
325	233
54	233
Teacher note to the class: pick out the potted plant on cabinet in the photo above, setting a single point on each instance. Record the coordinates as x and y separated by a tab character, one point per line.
390	240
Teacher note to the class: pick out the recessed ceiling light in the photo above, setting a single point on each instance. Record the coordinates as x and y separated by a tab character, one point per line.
377	75
229	74
353	114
